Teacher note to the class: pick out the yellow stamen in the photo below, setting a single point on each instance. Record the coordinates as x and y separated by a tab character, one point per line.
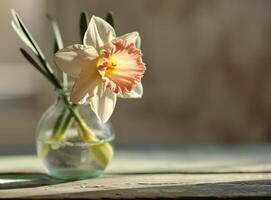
112	67
99	61
113	61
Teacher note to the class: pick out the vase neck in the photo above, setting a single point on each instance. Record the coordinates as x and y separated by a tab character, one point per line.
60	95
61	92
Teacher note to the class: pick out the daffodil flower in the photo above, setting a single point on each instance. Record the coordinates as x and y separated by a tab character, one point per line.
105	67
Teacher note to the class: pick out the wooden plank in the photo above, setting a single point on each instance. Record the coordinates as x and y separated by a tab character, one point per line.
153	186
204	171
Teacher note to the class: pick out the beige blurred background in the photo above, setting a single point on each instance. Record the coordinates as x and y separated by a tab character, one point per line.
208	76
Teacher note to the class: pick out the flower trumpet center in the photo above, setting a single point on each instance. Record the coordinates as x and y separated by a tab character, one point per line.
113	62
112	66
121	66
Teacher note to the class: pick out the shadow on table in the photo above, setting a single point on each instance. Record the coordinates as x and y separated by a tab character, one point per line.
25	180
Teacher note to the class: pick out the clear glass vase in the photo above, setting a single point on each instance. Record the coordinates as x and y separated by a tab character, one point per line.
72	142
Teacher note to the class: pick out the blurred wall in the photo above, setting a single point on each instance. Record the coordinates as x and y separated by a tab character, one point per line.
24	94
208	75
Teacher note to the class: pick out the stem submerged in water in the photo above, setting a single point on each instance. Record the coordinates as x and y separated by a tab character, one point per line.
62	124
101	151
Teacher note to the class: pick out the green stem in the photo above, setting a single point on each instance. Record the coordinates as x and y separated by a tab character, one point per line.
63	123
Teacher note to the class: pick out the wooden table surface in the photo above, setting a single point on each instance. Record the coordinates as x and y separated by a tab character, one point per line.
151	172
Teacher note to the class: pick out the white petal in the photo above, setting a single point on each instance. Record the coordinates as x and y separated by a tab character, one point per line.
136	92
22	36
138	42
103	103
99	33
132	37
75	57
85	84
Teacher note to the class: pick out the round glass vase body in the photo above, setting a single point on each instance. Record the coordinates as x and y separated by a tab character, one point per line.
72	142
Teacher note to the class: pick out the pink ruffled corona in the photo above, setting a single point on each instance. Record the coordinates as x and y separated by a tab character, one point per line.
121	66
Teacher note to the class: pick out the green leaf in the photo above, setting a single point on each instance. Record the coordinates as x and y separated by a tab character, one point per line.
18	22
27	34
13	14
58	44
84	20
22	36
34	63
110	18
56	31
55	46
30	38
